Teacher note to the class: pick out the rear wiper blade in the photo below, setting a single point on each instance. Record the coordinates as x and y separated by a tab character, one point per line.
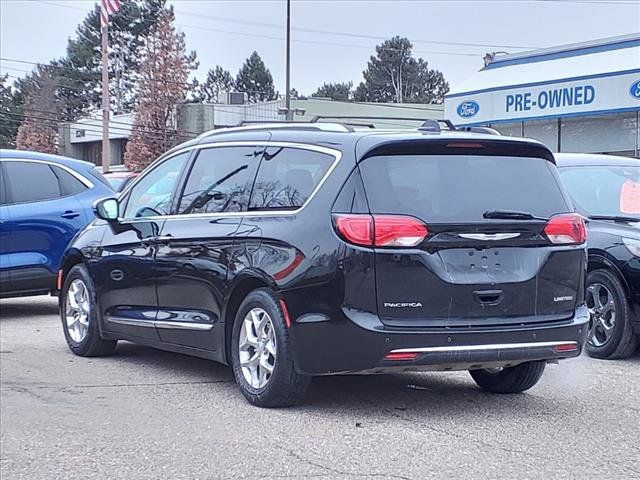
510	215
615	218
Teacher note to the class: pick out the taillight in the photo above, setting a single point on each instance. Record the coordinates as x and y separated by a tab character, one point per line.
357	229
398	231
566	229
381	230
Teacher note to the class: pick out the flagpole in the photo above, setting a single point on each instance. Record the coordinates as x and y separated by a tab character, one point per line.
106	147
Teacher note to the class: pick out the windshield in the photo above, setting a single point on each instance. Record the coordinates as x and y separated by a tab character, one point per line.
461	188
604	190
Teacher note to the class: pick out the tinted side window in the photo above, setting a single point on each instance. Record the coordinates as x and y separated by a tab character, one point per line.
69	185
31	182
287	177
220	180
151	196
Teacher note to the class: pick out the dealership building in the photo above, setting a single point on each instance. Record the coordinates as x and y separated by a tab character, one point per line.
574	98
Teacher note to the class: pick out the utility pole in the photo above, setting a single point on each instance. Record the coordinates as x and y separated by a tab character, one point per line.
118	78
106	150
287	96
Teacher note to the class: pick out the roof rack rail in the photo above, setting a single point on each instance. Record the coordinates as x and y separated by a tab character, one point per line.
272	125
431	125
427	125
488	130
318	118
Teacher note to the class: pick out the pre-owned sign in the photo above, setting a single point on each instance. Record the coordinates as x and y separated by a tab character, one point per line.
548	99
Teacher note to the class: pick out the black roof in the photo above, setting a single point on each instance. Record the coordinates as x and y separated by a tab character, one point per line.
364	140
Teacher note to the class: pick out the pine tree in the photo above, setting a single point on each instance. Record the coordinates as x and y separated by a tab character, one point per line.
218	81
255	79
80	89
335	91
164	73
38	131
394	75
10	113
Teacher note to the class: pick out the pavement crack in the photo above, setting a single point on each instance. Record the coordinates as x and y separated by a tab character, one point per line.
335	471
396	414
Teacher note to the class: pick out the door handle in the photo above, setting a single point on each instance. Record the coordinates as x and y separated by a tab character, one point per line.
70	214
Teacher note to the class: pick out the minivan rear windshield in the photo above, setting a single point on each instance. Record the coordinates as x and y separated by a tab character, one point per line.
461	188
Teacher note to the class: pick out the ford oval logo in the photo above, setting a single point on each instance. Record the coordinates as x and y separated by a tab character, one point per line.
635	90
468	109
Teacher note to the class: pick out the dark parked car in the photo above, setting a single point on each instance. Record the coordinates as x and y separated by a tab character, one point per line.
321	249
44	201
606	190
120	179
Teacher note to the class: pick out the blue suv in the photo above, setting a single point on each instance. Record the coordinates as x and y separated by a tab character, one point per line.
44	201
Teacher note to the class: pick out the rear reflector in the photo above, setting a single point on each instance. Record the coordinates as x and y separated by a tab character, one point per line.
381	230
401	356
285	313
566	347
566	229
59	280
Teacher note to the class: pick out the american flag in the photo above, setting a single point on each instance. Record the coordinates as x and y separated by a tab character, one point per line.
109	7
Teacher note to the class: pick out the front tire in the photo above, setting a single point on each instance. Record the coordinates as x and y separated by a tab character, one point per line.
79	315
262	355
611	334
509	379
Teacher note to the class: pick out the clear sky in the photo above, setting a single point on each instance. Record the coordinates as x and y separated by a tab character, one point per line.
333	39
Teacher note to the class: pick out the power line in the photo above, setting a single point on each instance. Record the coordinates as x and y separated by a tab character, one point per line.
94	74
311	42
303	29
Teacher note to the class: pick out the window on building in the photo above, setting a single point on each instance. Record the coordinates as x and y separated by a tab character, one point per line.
600	134
509	129
545	131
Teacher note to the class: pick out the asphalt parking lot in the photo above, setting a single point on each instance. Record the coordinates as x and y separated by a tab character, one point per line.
147	414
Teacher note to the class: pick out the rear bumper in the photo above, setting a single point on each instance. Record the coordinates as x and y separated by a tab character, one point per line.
357	343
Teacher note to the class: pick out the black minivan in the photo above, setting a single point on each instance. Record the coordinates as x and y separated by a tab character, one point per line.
295	250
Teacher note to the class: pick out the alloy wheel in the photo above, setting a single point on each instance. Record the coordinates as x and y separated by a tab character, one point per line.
77	310
602	314
257	348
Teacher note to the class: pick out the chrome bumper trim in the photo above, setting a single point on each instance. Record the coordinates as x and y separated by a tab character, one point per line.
471	348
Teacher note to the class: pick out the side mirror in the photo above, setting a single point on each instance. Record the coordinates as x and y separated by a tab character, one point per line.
106	209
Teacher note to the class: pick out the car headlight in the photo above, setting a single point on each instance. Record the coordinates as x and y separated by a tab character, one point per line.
632	245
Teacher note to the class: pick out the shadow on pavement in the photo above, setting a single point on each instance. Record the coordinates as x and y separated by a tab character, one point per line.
365	396
18	309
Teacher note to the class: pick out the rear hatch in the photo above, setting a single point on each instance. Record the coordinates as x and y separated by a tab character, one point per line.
467	235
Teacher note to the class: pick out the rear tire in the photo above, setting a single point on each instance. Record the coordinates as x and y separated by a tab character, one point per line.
609	337
80	315
260	337
509	379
